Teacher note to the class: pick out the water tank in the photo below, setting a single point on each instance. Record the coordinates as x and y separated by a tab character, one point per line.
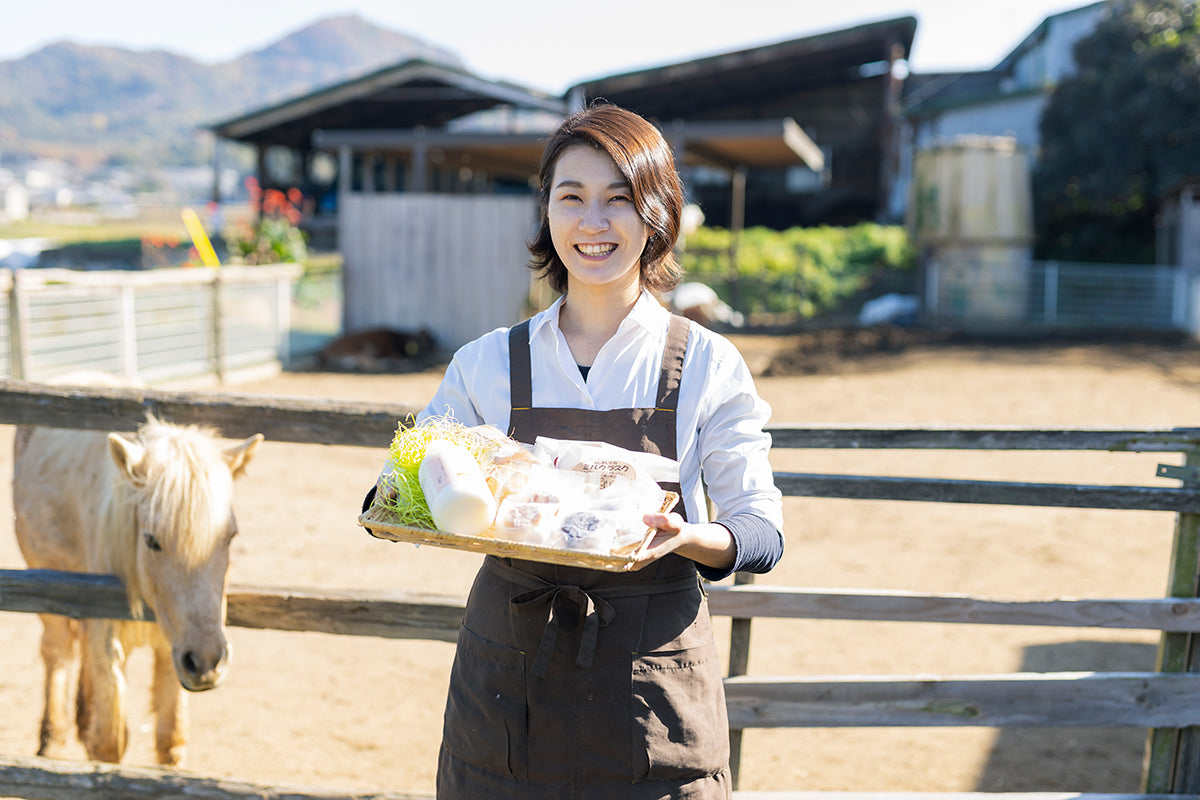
971	218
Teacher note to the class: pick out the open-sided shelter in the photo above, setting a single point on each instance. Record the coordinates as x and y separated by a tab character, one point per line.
841	88
426	170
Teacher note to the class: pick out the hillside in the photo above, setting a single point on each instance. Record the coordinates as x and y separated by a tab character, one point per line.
93	105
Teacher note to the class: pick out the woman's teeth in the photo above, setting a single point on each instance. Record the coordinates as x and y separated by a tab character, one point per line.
595	249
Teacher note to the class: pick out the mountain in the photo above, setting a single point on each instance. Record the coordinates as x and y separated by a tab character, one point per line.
94	105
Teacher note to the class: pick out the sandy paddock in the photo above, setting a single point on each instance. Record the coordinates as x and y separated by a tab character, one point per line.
362	713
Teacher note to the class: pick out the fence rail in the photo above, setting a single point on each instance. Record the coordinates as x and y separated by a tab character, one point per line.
408	615
1167	701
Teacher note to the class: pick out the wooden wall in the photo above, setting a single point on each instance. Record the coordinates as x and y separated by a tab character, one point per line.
454	264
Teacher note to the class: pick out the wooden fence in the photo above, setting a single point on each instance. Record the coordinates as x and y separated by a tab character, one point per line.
1166	701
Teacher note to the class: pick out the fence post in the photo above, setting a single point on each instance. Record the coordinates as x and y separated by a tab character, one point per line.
218	328
932	290
1173	757
127	331
1179	297
283	318
1050	294
18	329
739	662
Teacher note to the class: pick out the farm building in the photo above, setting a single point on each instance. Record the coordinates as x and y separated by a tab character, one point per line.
400	161
1006	100
838	88
841	87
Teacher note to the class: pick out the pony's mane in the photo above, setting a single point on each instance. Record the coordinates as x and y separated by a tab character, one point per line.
188	488
188	485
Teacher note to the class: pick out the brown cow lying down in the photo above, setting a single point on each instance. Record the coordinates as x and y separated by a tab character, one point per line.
375	349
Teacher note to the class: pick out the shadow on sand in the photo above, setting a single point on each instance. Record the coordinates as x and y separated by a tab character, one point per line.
1084	759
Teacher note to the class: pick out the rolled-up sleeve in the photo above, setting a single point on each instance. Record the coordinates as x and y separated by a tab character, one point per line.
735	451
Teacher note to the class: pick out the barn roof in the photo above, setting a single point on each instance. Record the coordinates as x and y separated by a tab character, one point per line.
412	94
706	88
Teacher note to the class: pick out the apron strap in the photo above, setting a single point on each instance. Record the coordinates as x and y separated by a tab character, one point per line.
671	372
520	372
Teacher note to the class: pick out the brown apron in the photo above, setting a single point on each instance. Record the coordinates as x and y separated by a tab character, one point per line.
578	683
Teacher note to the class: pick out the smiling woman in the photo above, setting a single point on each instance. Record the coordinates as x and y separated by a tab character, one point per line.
569	681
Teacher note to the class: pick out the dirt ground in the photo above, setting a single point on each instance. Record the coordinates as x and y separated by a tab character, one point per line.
362	713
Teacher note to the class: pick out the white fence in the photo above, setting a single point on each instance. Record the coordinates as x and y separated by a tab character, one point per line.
145	326
983	291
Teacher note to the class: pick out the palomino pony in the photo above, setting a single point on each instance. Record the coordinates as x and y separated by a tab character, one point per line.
156	511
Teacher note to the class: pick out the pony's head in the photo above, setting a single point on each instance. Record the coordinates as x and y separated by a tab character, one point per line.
179	481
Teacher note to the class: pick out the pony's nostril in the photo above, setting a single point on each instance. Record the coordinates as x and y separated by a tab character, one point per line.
189	663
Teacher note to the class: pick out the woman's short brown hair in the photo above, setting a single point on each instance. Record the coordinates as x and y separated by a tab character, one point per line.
643	156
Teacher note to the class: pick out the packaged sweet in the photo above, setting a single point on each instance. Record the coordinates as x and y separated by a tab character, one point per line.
606	460
527	522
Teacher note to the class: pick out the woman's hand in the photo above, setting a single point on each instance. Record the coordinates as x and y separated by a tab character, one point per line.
709	544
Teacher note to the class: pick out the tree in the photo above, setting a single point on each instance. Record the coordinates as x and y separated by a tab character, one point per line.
1119	133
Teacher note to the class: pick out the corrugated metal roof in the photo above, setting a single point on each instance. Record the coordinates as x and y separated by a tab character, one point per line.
700	88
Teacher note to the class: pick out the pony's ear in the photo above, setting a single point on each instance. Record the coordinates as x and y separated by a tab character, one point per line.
128	457
239	455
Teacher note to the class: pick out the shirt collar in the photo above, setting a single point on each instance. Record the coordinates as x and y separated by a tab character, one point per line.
648	313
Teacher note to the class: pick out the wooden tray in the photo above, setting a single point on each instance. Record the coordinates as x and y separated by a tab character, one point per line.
382	524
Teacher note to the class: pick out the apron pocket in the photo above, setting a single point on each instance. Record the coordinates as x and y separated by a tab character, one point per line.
485	709
680	724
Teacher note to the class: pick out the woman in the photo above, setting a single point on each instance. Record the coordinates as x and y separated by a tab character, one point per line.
571	682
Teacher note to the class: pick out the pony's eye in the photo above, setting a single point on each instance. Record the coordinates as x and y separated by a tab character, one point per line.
151	542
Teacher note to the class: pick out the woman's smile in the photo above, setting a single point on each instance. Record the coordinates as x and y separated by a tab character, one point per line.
596	250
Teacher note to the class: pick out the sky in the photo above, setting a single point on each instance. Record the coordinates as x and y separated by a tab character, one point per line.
542	45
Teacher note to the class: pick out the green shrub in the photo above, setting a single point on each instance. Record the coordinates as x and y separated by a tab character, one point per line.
800	271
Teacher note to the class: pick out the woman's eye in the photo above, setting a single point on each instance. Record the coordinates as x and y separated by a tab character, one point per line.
151	542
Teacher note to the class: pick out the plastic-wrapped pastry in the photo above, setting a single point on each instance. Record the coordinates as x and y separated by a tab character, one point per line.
527	522
507	464
588	531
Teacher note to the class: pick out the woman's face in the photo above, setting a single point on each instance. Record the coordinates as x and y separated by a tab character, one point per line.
594	224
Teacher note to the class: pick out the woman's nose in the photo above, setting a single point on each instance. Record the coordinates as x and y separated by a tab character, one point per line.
594	218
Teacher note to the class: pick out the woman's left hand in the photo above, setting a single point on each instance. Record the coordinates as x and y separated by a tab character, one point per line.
709	543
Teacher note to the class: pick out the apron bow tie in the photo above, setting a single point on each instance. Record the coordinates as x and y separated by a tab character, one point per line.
596	612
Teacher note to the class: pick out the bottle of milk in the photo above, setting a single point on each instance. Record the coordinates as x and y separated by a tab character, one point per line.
457	493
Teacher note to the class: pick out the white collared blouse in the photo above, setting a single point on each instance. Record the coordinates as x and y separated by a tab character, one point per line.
720	420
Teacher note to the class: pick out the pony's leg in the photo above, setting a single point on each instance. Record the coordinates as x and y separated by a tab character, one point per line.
170	709
102	691
58	657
